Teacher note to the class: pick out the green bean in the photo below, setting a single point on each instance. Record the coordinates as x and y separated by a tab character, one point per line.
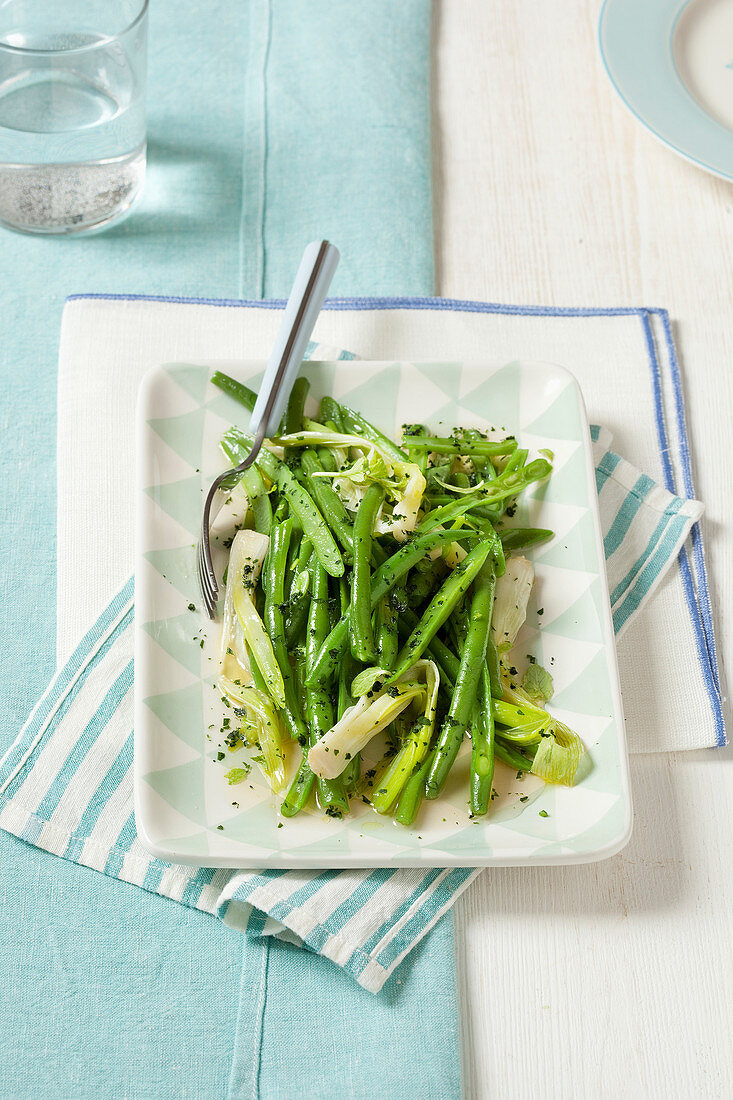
327	461
299	603
516	461
473	658
256	492
296	405
441	499
413	793
494	667
457	626
500	489
300	789
360	614
415	745
313	523
328	500
383	579
300	501
420	456
331	793
291	565
421	582
241	393
331	410
482	748
519	538
385	633
469	447
511	756
347	671
480	514
439	608
436	477
487	530
443	656
275	598
438	651
356	424
482	464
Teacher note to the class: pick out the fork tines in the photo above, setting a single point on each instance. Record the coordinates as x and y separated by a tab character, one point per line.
207	579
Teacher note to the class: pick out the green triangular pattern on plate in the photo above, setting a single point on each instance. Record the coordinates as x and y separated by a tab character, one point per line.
446	376
602	832
176	637
182	788
182	500
191	378
178	566
229	410
580	620
569	481
321	375
378	394
577	549
182	712
561	419
588	693
441	421
602	776
197	844
183	434
497	399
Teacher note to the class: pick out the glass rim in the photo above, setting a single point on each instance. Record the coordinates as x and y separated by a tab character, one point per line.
6	47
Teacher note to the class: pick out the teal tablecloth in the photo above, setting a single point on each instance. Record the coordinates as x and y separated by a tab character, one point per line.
270	123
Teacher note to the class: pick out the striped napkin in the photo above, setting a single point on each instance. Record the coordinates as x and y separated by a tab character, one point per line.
66	782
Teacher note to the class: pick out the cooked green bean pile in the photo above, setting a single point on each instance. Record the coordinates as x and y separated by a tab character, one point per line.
375	591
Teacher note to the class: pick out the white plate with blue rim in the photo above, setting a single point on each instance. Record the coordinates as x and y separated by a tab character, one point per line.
671	61
186	810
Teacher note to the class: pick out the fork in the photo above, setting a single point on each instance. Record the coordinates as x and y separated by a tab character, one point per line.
312	281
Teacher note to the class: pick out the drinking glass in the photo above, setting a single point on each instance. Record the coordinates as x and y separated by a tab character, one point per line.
72	112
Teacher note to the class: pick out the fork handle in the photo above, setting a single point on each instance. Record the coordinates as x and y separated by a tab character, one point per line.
312	281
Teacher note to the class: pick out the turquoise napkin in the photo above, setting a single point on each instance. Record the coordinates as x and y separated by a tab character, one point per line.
126	988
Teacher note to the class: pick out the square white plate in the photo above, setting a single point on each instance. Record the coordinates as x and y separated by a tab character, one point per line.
185	810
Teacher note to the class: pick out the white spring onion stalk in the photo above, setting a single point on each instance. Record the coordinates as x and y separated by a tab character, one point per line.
261	726
513	590
558	754
341	454
259	644
559	749
415	745
249	549
243	629
373	712
403	518
364	682
358	725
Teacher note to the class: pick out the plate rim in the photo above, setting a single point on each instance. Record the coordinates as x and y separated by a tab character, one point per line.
677	87
434	858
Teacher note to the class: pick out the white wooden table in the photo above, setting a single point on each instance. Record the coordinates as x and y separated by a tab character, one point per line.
614	979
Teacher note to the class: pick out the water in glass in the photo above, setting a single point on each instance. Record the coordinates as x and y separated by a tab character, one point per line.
72	130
